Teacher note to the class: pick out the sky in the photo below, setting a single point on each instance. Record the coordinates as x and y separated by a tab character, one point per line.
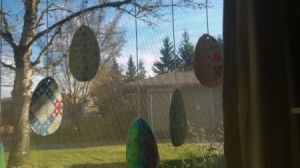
149	38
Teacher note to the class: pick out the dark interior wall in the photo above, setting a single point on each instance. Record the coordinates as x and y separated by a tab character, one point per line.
261	72
293	23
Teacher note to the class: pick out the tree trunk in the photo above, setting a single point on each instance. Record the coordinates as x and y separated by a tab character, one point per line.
21	96
21	93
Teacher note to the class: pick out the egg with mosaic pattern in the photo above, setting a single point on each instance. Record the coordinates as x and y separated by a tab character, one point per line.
177	119
141	146
84	57
208	61
46	107
2	156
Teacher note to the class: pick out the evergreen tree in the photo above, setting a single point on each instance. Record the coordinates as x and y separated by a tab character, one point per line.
116	71
166	62
186	53
131	70
108	91
141	70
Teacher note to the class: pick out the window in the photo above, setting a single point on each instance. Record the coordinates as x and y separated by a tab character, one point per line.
134	79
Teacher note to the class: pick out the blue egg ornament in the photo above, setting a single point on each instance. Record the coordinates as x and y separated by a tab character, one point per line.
46	107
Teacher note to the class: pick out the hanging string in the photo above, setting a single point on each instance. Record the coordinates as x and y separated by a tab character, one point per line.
1	20
174	44
83	5
47	36
206	8
52	54
67	43
137	62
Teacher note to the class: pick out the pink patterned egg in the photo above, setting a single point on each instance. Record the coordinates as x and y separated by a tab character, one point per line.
208	61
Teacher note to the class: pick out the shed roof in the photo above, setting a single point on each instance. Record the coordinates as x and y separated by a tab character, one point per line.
167	79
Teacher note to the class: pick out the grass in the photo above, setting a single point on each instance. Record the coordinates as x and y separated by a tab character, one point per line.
112	128
109	157
111	132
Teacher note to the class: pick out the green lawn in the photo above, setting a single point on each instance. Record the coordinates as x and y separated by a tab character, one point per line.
113	157
108	132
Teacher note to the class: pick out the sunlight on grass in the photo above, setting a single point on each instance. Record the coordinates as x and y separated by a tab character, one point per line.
104	155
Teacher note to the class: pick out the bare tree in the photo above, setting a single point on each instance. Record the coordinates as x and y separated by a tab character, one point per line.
107	89
31	31
111	40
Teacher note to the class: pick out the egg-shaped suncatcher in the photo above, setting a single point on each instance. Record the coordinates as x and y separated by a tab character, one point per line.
141	147
84	54
177	114
177	119
208	61
46	107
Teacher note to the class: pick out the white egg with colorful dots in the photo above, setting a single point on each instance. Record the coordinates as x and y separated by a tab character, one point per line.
208	61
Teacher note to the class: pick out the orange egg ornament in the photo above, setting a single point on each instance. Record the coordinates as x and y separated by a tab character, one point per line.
208	61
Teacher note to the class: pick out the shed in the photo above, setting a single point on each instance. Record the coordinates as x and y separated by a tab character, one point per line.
203	105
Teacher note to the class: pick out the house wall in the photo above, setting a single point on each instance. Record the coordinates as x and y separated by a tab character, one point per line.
158	110
203	107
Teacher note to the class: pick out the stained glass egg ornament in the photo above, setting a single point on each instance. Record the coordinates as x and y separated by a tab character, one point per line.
2	156
84	55
141	147
177	119
46	107
208	61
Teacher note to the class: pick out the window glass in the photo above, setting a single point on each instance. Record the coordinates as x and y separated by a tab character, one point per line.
136	78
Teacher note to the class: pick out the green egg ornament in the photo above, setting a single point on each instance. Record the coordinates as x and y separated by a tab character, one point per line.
84	57
141	147
46	107
208	61
177	119
2	156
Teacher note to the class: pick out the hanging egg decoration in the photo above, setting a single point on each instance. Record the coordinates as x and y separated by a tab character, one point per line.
177	119
46	107
141	147
84	57
208	61
2	156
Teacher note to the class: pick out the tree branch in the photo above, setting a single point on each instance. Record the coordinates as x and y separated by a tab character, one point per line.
8	66
52	65
151	9
105	62
42	53
7	36
38	23
60	23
